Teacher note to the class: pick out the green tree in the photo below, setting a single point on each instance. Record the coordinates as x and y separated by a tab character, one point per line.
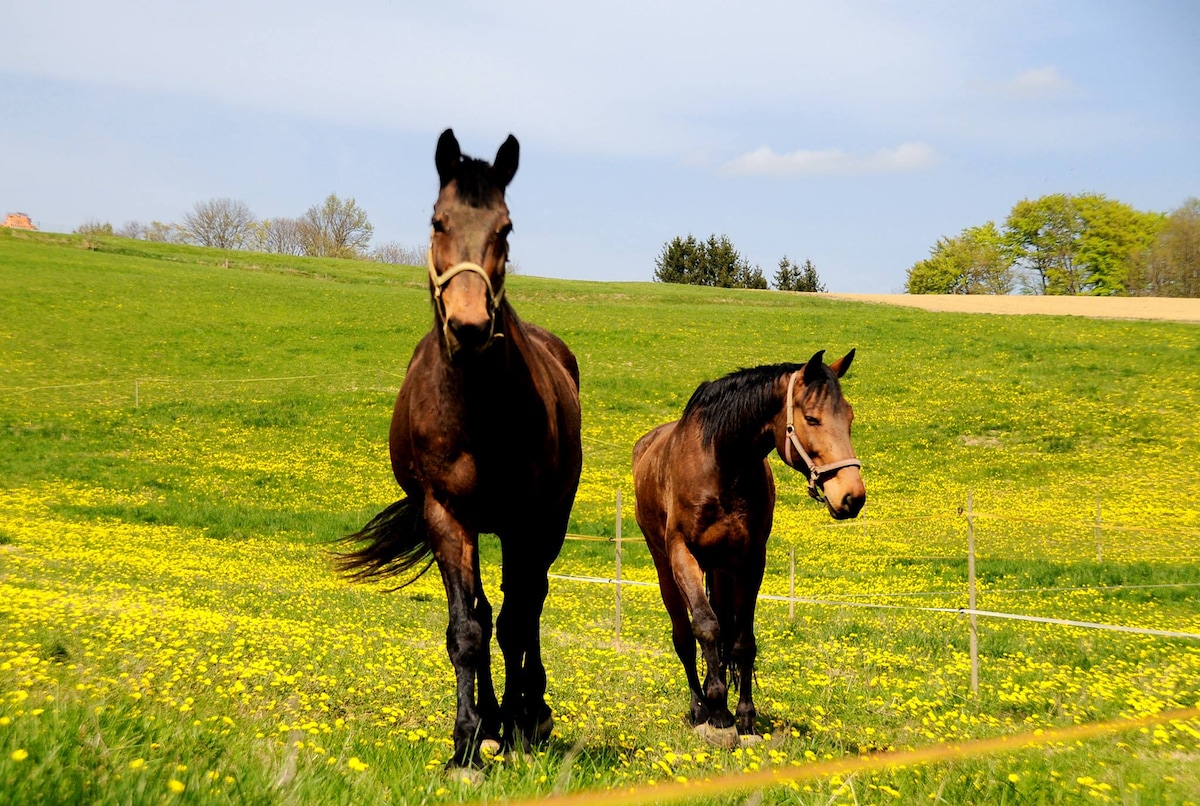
973	262
1042	236
1081	244
336	228
1113	234
714	262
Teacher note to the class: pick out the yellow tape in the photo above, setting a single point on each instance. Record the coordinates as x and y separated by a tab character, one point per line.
726	784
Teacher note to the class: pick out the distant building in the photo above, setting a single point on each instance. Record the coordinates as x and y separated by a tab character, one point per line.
18	221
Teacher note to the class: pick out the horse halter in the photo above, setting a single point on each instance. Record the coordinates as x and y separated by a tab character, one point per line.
439	282
815	471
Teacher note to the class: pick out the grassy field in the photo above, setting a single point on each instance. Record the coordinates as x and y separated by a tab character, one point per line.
182	429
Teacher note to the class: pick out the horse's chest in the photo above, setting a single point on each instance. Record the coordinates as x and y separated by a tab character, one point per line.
484	476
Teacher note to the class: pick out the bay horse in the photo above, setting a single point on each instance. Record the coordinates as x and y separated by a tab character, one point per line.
705	503
485	437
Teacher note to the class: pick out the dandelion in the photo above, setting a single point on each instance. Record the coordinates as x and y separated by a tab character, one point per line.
175	786
356	764
137	764
20	755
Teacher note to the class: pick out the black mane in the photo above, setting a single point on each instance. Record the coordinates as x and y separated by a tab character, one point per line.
475	182
736	406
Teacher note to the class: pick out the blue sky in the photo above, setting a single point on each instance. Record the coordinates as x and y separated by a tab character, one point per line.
852	134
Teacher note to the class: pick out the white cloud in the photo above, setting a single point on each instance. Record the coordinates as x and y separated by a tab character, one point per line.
765	162
1039	82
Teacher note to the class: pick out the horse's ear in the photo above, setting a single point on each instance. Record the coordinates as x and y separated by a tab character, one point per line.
505	166
447	156
842	365
814	370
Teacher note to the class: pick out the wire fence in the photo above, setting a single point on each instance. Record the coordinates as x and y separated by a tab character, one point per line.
1088	533
140	390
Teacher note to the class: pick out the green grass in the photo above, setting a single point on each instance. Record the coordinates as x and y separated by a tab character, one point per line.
182	430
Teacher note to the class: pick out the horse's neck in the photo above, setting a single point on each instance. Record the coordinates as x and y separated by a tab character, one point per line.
504	375
755	438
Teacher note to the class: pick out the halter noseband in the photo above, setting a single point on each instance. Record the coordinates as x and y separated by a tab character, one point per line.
439	282
815	471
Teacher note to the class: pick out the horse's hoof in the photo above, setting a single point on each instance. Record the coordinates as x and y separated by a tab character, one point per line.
542	732
750	739
467	776
489	747
724	738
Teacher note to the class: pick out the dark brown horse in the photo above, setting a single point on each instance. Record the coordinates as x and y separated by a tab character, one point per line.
484	438
705	502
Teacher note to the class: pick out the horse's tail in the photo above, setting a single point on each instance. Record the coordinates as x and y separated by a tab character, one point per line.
393	542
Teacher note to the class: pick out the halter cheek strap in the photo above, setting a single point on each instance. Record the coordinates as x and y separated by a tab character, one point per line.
815	471
439	281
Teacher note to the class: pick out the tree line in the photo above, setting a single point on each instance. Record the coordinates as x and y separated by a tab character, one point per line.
717	263
335	228
1084	244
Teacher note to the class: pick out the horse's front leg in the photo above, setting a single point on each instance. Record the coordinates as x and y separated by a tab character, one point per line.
745	650
681	633
466	637
526	717
488	707
719	729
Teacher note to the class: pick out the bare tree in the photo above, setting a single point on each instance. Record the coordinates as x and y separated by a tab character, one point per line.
1170	267
133	229
94	226
336	228
220	223
399	254
159	232
280	236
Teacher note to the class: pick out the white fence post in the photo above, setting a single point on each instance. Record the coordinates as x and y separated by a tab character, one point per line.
792	583
971	591
617	621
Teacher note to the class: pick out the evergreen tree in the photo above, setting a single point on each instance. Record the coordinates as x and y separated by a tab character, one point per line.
714	262
790	277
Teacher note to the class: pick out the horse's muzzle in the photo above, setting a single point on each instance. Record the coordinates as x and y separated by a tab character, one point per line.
848	507
469	337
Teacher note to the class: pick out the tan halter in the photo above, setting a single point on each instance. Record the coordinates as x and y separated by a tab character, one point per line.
815	471
439	282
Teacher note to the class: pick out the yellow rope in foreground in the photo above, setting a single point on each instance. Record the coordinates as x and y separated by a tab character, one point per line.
757	780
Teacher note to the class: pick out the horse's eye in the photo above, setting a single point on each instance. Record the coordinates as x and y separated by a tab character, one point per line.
504	231
439	226
813	421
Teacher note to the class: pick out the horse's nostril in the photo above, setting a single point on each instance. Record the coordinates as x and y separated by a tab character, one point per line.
469	334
